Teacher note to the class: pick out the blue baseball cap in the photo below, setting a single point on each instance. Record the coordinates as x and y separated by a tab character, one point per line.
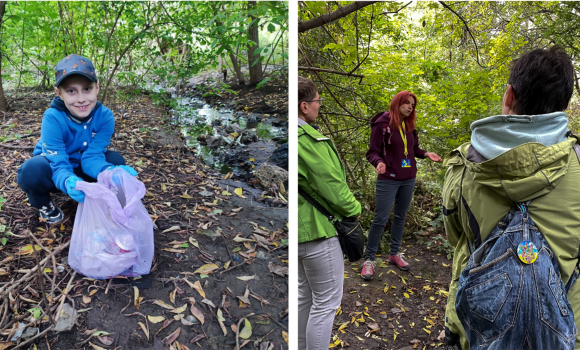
75	64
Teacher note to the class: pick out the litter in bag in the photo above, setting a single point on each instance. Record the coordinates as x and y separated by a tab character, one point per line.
112	233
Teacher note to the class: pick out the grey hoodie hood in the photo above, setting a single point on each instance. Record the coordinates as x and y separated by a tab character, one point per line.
498	134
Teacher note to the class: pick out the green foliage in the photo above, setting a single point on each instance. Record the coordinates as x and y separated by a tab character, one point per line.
134	44
425	49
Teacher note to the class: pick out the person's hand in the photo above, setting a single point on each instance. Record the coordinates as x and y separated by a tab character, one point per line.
381	168
433	156
70	184
124	167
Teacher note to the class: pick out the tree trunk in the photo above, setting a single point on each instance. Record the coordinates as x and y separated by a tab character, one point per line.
237	68
3	104
253	59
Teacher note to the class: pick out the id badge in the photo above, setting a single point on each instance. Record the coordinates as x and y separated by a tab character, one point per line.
406	163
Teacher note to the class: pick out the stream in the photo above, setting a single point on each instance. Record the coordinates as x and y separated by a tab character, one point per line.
228	140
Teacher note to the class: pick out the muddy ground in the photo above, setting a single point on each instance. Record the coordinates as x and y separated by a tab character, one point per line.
201	222
397	309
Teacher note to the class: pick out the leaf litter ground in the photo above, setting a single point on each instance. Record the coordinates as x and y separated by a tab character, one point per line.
219	274
396	309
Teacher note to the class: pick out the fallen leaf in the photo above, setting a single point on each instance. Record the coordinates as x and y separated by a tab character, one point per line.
144	328
245	278
240	239
208	302
172	228
197	287
155	319
285	336
246	332
163	304
96	347
193	242
206	269
106	340
172	337
238	191
86	299
197	314
278	270
179	310
136	297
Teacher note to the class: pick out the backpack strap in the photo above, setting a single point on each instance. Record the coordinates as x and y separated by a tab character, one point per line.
386	129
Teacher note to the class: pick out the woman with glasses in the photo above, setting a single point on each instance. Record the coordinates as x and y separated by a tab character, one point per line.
394	145
320	259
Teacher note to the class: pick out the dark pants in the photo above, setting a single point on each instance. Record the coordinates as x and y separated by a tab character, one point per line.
35	177
387	192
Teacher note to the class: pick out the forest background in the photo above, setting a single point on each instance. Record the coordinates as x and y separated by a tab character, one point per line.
135	42
196	139
455	56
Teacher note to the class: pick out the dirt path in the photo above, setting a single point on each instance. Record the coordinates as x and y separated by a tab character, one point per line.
201	222
397	309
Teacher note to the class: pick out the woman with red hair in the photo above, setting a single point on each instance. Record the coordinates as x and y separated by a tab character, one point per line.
393	148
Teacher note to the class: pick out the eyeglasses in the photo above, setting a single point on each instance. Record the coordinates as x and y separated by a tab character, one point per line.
319	101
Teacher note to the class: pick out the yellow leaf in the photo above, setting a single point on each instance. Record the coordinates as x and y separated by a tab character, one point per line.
179	310
428	331
247	330
343	326
406	295
197	287
238	191
93	292
62	227
145	330
155	319
226	265
246	278
206	269
163	304
136	297
285	336
96	347
47	270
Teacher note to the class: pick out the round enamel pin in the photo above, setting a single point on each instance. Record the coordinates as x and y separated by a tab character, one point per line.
527	252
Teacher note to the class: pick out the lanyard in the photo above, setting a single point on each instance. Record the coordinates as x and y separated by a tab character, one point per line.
404	137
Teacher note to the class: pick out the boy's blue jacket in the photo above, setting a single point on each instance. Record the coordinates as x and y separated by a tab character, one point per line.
68	142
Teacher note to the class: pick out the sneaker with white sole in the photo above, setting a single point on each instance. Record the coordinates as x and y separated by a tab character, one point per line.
368	270
51	213
398	259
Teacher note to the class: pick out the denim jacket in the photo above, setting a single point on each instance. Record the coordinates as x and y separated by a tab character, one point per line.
477	194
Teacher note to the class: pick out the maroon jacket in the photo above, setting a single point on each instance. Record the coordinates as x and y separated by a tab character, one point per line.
394	152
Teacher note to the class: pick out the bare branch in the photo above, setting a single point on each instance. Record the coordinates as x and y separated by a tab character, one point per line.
392	12
333	16
466	27
330	71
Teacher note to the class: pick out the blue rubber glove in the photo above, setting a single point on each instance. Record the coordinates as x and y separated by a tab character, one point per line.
124	167
70	184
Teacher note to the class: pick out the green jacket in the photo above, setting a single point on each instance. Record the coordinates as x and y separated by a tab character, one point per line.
321	174
477	195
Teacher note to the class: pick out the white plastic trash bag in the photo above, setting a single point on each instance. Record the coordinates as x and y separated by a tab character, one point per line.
113	233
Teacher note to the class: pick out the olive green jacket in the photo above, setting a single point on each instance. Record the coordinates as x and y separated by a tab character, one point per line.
477	195
321	174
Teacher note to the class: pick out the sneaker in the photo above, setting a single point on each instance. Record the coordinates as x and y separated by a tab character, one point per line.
51	214
398	259
367	270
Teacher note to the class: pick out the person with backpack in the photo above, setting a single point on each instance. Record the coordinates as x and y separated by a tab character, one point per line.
394	145
320	260
511	205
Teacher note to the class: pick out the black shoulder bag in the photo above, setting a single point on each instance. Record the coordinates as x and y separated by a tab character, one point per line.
350	233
